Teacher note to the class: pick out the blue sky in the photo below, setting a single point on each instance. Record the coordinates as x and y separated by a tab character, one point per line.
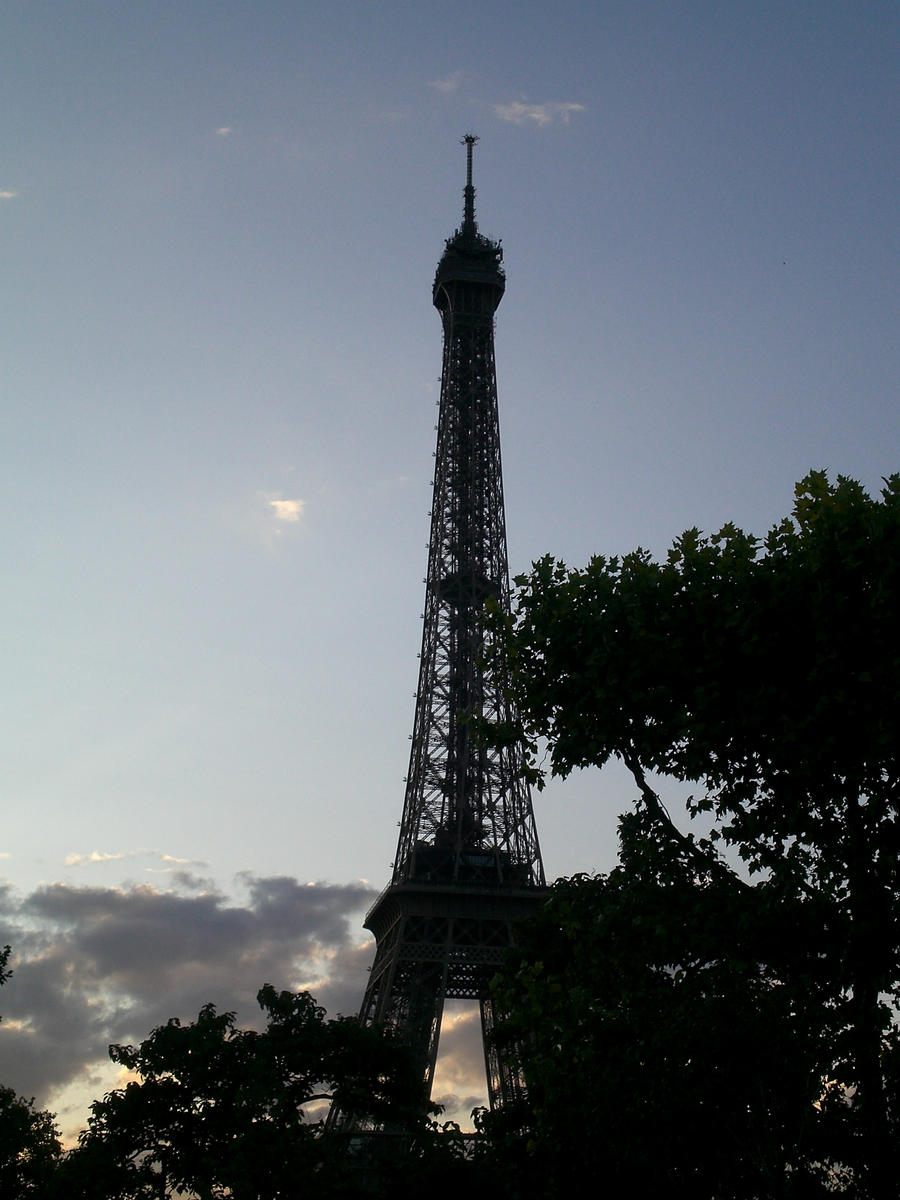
218	361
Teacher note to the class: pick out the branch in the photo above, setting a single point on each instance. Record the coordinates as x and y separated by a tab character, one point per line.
657	810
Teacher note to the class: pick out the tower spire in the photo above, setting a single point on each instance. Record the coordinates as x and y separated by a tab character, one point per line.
469	225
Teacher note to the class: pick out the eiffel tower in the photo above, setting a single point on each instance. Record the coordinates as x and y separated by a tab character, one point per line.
468	865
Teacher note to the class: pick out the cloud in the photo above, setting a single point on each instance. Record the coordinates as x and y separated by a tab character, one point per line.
520	113
287	510
188	880
97	856
7	194
95	965
271	518
81	860
447	85
459	1083
224	130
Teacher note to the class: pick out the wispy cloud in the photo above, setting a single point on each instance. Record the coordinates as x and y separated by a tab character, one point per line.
448	84
7	194
98	856
224	130
520	113
289	511
272	519
95	856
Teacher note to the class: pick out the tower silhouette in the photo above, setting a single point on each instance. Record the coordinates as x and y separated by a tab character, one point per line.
468	865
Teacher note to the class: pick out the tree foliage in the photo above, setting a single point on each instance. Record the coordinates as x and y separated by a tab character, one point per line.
219	1111
29	1148
672	1041
766	672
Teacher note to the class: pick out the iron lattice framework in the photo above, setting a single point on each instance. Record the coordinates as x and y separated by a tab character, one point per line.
468	864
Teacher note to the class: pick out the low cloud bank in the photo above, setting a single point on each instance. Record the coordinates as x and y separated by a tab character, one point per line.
95	965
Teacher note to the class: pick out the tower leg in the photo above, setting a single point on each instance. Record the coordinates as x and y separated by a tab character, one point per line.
415	1010
506	1084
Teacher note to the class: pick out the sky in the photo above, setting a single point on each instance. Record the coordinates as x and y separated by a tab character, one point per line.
219	365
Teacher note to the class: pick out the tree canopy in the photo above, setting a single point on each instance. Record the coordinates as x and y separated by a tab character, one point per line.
672	1042
220	1111
213	1111
764	673
30	1151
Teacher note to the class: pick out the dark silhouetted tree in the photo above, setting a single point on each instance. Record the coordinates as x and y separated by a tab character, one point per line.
221	1111
29	1148
766	672
664	1050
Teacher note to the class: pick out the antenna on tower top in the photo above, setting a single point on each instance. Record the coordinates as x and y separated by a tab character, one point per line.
469	194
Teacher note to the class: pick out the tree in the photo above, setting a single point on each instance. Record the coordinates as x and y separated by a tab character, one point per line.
766	672
221	1111
29	1140
29	1148
664	1051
